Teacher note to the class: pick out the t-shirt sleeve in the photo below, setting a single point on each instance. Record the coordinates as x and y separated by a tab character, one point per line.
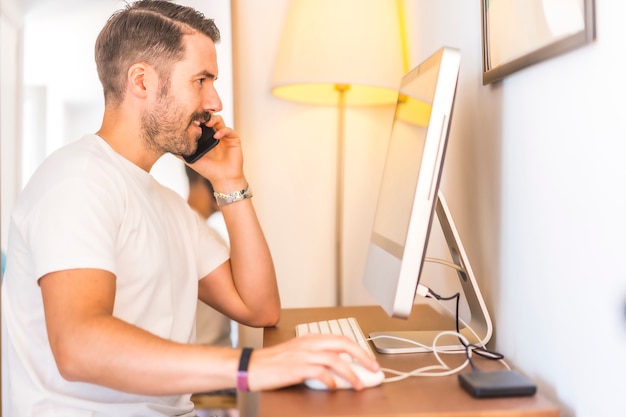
212	251
70	227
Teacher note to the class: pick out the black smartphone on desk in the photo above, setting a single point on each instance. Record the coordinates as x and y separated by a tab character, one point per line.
205	144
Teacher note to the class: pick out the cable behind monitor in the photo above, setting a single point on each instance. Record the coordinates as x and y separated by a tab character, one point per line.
480	323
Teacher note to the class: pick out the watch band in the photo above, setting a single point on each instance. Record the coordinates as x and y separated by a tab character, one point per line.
224	199
242	372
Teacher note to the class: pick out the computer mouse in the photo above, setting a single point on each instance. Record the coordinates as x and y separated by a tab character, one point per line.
369	378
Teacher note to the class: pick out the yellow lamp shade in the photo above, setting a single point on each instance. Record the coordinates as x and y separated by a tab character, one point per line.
353	43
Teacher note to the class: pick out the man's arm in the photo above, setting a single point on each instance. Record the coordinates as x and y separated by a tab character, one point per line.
245	288
91	345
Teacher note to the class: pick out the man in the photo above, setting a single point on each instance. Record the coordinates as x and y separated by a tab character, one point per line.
99	296
212	327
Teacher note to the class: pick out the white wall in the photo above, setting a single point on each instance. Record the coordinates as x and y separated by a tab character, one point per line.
11	24
291	163
563	283
534	178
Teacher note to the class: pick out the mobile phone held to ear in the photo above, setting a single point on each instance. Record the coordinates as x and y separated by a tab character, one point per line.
205	144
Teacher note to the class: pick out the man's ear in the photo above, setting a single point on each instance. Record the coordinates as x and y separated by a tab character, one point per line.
142	79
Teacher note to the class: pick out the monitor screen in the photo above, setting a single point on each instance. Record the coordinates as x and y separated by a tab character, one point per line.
410	182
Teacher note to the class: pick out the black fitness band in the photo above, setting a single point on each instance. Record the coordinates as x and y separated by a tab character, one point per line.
242	372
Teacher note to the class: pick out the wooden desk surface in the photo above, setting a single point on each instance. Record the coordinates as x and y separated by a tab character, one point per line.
414	396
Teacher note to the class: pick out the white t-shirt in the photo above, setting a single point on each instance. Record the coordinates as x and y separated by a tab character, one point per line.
212	327
216	222
88	207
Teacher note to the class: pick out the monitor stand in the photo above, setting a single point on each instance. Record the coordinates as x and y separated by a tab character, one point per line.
480	320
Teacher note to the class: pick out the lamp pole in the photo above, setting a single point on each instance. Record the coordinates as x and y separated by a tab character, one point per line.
341	149
352	30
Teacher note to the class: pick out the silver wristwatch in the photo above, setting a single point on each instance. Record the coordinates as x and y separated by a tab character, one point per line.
224	199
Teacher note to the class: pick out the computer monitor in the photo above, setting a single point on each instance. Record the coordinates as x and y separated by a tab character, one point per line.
408	199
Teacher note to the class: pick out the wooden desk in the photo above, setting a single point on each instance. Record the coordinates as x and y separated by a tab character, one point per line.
415	396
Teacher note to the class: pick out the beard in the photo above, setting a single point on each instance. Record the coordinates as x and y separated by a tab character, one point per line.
163	129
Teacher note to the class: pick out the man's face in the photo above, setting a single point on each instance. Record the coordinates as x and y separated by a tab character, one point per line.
172	124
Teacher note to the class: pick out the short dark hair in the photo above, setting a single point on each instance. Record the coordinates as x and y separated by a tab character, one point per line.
148	31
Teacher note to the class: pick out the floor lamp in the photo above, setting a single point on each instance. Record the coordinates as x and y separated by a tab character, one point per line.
341	53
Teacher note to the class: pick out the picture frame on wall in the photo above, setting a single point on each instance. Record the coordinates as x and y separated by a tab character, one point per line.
520	33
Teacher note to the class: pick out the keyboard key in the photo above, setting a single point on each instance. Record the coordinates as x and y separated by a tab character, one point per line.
348	327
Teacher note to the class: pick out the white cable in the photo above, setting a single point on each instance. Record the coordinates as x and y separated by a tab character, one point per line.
444	333
427	290
471	330
427	370
422	290
443	368
458	318
446	263
416	343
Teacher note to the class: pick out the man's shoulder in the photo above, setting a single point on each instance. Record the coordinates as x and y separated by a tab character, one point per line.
73	157
72	169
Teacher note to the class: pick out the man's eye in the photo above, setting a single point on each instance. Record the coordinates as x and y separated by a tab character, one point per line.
200	80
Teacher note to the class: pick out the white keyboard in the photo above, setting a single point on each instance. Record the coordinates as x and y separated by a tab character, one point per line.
344	326
350	328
